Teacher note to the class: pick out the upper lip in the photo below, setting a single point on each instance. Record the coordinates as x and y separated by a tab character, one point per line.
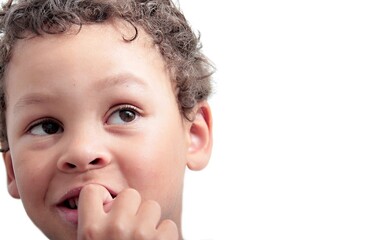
75	192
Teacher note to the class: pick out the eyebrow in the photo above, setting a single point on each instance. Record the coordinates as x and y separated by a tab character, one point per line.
109	82
33	99
120	79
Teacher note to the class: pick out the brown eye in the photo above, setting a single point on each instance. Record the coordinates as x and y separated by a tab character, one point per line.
123	116
46	127
127	115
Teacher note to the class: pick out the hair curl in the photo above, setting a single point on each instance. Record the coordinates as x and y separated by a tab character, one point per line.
178	44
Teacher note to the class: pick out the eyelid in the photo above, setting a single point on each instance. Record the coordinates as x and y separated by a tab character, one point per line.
120	107
129	106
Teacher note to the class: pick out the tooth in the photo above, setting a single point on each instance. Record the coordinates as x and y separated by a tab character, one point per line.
72	203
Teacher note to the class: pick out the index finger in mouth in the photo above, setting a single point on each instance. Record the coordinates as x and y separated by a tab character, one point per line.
91	202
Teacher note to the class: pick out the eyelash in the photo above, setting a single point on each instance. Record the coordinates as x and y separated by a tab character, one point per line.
128	107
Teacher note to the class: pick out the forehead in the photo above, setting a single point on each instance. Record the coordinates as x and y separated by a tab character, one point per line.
92	55
102	37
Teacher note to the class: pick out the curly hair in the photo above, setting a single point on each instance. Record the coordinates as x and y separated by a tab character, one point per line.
179	46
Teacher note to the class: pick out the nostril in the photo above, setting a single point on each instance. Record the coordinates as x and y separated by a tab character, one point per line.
95	162
73	164
70	165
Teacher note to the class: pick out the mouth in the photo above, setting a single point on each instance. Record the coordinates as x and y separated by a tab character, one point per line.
69	203
73	202
71	199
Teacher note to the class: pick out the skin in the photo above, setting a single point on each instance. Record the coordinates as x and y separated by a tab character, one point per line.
112	135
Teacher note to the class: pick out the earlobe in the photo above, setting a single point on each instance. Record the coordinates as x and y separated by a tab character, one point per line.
11	182
201	141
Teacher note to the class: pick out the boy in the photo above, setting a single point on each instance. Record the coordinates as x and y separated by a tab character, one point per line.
103	107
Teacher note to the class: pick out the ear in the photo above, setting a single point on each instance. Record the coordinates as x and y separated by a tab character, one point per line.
201	139
11	182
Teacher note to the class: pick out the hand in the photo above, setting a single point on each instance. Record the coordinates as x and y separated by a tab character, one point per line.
125	217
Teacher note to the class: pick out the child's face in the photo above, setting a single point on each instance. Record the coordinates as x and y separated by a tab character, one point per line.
92	108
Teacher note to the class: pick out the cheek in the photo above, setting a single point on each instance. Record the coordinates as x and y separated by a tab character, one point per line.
158	176
153	161
33	173
145	166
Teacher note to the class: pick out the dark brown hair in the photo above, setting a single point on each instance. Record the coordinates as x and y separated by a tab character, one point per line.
180	47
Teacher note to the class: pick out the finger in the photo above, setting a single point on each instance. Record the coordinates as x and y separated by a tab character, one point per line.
149	214
126	203
167	230
147	219
90	205
123	214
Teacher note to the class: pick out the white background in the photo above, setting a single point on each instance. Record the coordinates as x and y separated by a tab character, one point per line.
302	123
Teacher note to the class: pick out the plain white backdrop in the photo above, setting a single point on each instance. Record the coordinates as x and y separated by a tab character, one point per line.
302	124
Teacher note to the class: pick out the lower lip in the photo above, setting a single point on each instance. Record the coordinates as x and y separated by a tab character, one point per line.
69	215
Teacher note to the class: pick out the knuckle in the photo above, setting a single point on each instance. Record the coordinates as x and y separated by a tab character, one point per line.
118	227
153	205
143	233
167	230
117	230
89	232
130	192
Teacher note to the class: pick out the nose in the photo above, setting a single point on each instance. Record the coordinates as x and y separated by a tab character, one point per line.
83	152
